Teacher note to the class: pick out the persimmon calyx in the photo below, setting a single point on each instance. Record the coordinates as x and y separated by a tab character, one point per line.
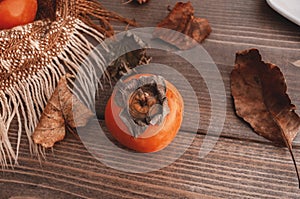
143	102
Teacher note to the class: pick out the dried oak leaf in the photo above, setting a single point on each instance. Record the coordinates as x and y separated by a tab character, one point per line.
58	113
182	20
259	92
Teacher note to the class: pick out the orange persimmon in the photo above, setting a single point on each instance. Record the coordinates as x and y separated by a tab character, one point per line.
155	137
17	12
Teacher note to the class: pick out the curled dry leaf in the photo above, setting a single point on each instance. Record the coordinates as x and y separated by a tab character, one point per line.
182	20
124	63
259	92
58	113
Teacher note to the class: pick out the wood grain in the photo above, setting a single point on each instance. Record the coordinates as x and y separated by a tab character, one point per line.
240	165
233	169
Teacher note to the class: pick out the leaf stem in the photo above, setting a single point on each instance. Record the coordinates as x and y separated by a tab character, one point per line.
295	164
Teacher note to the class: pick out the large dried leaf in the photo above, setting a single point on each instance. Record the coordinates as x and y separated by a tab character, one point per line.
259	92
59	112
182	20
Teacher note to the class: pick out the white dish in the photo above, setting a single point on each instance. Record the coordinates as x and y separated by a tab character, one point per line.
287	8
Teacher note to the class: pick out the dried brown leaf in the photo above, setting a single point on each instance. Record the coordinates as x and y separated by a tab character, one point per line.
129	60
58	113
259	92
182	20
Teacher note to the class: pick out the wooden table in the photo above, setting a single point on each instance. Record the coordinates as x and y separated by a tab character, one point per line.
240	165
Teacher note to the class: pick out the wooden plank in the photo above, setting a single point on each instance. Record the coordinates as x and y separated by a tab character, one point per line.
233	169
252	14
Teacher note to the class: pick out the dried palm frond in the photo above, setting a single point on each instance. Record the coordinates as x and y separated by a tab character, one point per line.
33	57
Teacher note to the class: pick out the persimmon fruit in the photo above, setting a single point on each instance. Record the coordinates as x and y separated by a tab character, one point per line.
17	12
155	137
